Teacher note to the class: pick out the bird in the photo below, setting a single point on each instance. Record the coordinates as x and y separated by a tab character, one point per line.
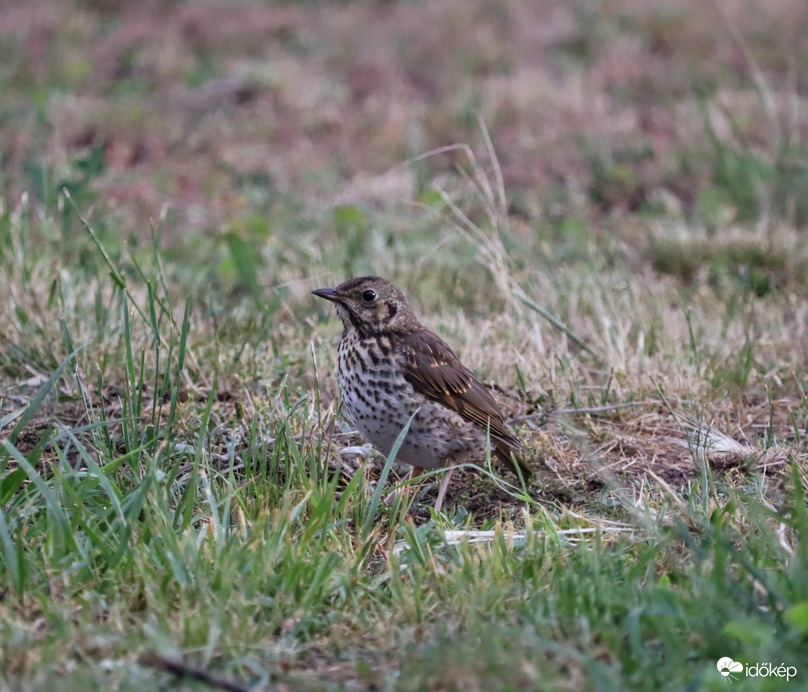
393	370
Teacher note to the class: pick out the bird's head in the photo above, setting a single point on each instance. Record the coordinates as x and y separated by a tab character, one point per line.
369	304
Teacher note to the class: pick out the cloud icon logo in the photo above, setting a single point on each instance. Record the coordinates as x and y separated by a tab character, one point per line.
726	666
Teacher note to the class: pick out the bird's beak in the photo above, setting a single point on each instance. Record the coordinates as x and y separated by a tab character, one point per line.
327	293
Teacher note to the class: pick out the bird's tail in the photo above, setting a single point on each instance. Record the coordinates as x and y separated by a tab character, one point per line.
514	460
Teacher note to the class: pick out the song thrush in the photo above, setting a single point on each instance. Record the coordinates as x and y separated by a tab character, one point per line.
391	366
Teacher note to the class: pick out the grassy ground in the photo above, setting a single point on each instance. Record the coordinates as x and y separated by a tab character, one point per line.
615	242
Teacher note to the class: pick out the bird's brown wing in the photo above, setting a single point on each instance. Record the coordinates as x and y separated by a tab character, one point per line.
433	369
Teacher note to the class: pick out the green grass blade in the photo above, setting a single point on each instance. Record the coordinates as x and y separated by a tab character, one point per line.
55	510
376	498
44	390
12	556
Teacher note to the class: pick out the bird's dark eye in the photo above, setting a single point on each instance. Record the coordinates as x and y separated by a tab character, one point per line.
369	296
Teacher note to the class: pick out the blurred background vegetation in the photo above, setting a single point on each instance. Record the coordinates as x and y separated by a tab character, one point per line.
254	124
175	178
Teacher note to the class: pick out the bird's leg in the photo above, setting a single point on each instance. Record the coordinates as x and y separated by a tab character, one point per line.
414	471
443	485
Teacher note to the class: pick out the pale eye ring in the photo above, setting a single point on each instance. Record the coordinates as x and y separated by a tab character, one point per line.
369	296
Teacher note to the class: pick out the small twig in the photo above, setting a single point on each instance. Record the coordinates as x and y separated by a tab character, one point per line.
22	400
670	491
181	669
603	409
542	416
594	409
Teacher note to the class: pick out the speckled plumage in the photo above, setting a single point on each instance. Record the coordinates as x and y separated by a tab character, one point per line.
391	366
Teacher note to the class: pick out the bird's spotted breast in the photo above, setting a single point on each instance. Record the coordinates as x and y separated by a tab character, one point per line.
379	402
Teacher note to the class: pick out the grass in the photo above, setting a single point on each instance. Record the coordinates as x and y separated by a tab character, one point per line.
181	503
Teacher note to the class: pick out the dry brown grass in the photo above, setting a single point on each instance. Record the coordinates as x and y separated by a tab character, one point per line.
188	100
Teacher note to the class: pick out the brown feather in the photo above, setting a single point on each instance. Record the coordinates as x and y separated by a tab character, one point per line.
433	369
